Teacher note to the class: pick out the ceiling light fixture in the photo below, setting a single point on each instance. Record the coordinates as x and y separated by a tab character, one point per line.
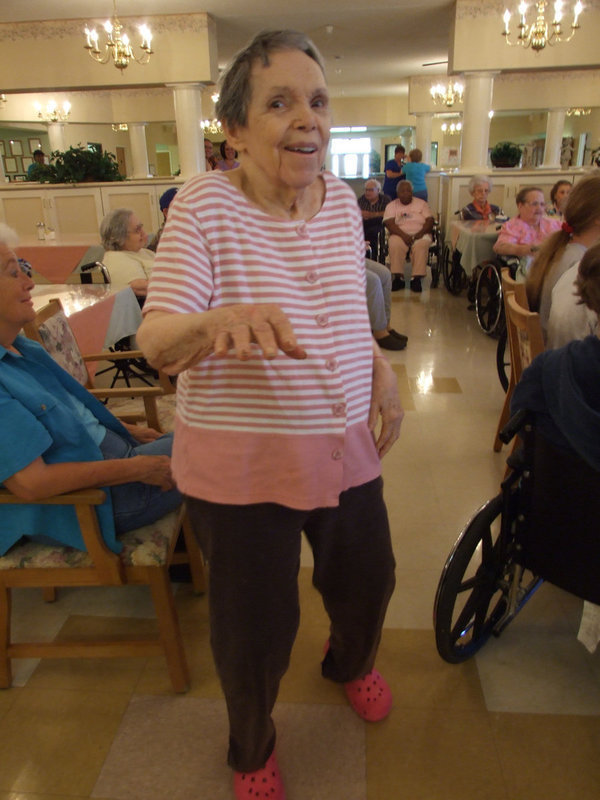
117	44
579	112
447	95
540	32
452	129
211	126
53	112
119	127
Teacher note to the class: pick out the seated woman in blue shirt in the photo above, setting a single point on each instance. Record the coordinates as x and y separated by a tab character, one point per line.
55	437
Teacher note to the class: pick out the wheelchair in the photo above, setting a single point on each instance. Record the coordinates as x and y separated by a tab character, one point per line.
453	274
434	254
486	288
543	526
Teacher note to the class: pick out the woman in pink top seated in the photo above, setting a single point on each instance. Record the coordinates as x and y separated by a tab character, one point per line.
280	392
522	235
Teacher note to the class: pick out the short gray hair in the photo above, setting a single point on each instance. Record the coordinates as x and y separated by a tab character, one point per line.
236	89
114	228
8	236
375	181
478	180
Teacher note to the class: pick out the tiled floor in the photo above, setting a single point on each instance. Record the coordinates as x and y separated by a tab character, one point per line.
521	721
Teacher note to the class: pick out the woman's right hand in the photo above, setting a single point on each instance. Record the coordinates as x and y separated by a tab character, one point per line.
175	342
155	470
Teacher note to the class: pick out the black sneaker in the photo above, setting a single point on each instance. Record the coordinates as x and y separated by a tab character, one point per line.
397	335
397	283
391	343
415	285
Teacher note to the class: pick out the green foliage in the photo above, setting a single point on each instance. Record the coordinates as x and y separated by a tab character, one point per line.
78	165
505	154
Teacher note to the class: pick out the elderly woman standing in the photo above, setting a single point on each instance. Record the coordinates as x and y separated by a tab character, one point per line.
479	208
279	398
127	258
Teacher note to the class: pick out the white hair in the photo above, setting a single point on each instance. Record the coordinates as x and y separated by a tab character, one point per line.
479	180
375	181
8	236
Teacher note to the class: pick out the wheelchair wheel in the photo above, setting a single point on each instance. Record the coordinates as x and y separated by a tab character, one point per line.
488	299
434	259
503	358
453	274
472	595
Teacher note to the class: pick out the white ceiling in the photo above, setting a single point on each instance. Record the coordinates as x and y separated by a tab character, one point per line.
372	49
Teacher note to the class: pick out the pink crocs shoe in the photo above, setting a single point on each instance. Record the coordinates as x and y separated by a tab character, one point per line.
263	784
370	697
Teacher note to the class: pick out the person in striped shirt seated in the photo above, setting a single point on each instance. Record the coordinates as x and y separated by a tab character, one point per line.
285	404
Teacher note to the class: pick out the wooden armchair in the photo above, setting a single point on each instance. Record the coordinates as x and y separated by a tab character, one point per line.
51	329
145	558
509	285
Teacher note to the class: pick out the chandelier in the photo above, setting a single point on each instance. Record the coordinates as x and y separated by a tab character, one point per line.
53	112
211	126
447	95
452	129
537	34
579	112
117	44
119	127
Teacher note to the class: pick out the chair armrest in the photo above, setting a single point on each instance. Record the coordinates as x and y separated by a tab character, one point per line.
92	497
105	561
129	391
110	355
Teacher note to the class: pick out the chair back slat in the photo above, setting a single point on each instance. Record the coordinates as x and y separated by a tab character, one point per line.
530	339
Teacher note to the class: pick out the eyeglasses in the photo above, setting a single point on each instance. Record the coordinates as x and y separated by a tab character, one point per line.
536	204
25	267
138	228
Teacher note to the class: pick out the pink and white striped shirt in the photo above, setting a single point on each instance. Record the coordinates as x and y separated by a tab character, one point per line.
283	431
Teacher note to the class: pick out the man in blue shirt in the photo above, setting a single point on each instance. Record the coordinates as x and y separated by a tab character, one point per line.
55	437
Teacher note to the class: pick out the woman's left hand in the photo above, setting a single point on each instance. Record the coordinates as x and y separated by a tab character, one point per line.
385	403
141	433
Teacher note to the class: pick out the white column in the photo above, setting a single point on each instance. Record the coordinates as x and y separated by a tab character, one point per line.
423	135
554	132
56	136
476	121
188	119
139	151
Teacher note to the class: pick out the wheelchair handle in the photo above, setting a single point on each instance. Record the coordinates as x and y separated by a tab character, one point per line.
514	425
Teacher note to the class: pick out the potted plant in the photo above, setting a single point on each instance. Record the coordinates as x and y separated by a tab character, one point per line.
505	154
78	165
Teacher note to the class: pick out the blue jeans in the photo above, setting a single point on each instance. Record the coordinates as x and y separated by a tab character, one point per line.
136	504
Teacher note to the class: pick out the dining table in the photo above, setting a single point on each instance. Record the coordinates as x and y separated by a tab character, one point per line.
99	315
474	240
57	260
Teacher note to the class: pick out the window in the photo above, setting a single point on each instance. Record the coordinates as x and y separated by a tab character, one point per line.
350	157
